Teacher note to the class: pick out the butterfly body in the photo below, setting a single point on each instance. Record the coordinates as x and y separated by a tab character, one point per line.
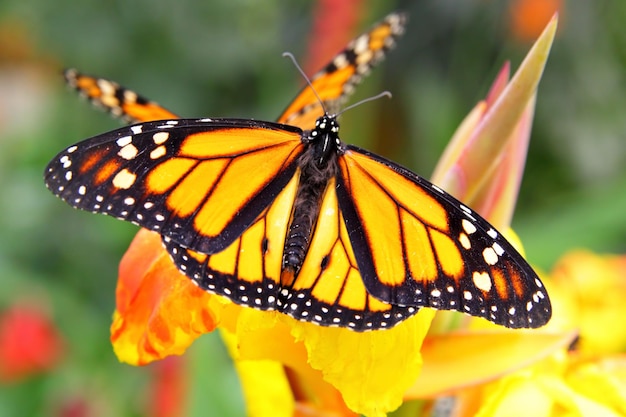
317	164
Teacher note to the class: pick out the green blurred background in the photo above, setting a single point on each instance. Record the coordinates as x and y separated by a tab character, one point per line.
223	58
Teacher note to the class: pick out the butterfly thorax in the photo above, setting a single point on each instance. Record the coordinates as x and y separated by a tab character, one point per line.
318	164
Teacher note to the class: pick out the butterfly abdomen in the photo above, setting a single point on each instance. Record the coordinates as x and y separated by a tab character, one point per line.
318	164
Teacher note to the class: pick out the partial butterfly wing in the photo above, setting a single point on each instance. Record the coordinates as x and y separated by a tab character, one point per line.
117	100
335	82
200	182
416	245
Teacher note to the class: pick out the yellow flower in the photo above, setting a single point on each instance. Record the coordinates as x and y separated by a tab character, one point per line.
589	378
590	291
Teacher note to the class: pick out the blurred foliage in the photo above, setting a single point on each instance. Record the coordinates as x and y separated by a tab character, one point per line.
222	58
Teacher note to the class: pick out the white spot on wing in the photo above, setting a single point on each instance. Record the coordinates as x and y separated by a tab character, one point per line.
497	248
121	142
468	226
464	241
482	281
128	152
160	137
124	179
490	256
158	152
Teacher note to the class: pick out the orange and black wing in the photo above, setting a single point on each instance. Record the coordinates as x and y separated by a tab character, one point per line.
200	182
335	82
328	290
117	100
415	245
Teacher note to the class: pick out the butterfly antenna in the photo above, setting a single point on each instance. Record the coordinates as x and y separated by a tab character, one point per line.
365	100
308	81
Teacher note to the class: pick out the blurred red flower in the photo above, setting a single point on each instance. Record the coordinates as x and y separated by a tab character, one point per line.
167	389
29	342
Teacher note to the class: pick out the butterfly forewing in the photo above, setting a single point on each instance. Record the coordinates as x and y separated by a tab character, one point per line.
119	101
200	182
428	249
335	82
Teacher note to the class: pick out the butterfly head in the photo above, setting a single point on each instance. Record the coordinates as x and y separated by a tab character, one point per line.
325	138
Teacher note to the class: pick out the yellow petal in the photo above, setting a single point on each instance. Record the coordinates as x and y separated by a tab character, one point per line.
460	359
517	397
571	402
601	382
261	337
372	370
265	386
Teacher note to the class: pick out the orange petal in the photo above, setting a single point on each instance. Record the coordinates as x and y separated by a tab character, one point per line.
484	148
497	198
461	359
448	162
160	312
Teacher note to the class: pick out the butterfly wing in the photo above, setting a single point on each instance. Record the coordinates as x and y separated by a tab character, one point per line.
336	81
416	245
119	101
199	182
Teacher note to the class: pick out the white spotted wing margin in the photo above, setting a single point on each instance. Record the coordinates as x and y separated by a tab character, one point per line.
266	293
449	257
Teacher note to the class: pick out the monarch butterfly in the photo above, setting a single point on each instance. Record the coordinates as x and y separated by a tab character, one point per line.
287	217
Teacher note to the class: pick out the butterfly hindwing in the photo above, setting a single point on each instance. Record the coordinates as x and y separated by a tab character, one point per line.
117	100
430	250
328	289
336	81
200	182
